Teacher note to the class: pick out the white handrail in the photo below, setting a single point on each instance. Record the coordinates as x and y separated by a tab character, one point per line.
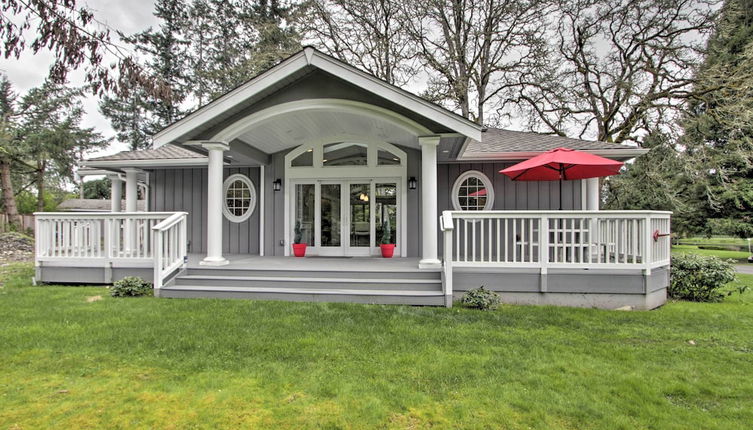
96	238
170	247
557	239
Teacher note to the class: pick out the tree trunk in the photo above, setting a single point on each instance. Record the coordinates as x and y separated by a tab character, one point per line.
41	170
9	198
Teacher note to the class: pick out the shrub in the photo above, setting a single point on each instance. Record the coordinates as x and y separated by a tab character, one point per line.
481	298
699	278
131	286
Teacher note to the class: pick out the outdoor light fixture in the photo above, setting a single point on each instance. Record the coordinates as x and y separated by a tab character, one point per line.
277	184
412	183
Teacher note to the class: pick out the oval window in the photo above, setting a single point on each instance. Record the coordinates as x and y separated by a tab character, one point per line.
473	191
240	198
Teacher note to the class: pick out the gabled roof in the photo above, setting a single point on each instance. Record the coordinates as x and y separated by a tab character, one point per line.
311	58
164	155
497	143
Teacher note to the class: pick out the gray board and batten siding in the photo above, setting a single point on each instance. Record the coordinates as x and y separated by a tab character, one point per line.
508	194
185	189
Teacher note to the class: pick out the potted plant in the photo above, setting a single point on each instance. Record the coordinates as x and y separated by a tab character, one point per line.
388	249
299	248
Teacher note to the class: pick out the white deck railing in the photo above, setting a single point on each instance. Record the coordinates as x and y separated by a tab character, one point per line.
124	239
170	247
555	239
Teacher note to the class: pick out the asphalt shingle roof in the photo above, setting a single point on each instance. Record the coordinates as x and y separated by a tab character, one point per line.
496	140
165	152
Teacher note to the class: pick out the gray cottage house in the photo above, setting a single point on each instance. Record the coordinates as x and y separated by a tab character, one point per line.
317	144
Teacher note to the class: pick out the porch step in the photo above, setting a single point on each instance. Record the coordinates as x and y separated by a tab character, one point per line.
284	281
312	273
298	294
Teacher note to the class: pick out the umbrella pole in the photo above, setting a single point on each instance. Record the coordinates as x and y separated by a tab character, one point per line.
562	175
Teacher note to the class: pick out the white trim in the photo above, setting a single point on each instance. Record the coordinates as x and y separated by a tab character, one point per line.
262	214
371	173
175	162
306	58
608	153
252	197
245	124
454	198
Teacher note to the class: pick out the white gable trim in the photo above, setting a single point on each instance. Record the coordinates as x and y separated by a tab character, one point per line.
310	56
607	153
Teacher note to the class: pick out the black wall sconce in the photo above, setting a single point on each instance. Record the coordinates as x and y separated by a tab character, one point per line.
412	183
277	184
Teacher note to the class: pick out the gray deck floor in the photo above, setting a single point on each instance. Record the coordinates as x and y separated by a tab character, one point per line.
368	264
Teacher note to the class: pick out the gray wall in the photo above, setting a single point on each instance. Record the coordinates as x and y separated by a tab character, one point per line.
186	190
509	194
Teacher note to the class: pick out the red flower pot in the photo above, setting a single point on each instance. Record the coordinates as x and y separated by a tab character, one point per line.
299	249
388	250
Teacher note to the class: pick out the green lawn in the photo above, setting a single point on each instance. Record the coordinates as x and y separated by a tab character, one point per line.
159	363
713	240
738	256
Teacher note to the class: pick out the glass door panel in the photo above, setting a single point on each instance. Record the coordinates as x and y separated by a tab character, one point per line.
331	203
360	215
305	195
386	211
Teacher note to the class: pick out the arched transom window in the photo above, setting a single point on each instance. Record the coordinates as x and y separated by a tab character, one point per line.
346	154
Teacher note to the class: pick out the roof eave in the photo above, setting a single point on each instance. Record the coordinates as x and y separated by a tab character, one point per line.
119	164
617	154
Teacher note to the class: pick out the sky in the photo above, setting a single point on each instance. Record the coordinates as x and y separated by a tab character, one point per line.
29	71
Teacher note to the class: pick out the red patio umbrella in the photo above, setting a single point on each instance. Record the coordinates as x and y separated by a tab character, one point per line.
563	164
479	193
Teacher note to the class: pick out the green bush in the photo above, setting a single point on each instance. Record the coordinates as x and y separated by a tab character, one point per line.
481	298
699	278
131	286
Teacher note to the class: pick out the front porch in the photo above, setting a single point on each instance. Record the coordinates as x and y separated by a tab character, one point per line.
576	258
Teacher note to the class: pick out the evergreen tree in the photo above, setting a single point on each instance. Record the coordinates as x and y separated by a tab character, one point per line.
718	129
658	180
50	135
137	115
8	147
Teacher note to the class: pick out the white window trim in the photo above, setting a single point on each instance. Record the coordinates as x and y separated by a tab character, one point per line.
487	183
372	171
252	195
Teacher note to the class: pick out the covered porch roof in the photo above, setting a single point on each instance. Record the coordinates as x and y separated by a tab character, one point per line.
312	97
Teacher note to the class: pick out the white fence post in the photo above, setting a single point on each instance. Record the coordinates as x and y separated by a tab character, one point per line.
447	226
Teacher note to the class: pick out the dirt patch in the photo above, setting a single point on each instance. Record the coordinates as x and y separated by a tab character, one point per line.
16	247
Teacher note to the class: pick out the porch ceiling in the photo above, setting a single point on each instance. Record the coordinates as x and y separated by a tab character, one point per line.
291	129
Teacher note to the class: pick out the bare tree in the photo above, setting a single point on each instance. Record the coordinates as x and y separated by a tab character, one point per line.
474	49
368	34
617	68
78	41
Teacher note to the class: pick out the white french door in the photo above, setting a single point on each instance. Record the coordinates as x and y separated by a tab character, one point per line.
347	217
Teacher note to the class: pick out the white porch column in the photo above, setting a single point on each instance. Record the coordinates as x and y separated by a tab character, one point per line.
132	189
214	204
428	202
593	194
116	192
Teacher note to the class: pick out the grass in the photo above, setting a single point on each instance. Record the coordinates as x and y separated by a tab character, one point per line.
738	256
158	363
714	240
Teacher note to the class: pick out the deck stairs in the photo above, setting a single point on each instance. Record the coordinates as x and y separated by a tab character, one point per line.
403	285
